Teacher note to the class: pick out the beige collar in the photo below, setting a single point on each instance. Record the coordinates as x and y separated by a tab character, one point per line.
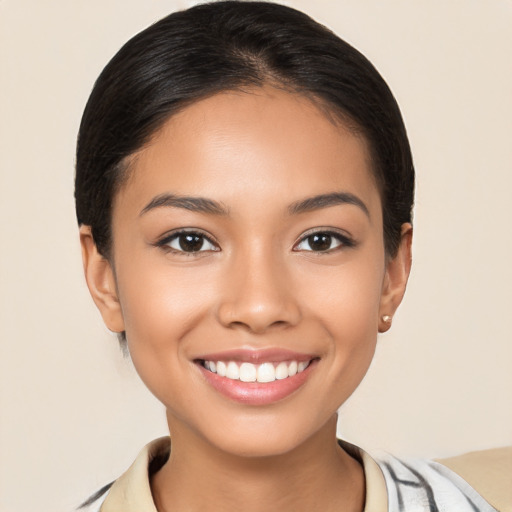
132	492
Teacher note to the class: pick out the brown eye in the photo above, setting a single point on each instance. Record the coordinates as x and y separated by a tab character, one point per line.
189	242
323	241
320	241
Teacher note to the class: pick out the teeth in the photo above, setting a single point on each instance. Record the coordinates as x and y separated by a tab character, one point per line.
281	371
221	369
300	367
248	372
266	373
232	371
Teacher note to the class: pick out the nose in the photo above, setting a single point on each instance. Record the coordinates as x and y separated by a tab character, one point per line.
257	295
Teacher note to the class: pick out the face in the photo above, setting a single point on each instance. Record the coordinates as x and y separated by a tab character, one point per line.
248	269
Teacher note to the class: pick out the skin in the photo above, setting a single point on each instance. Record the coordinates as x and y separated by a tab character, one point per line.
257	285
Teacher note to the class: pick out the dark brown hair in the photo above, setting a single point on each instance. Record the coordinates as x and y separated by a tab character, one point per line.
227	45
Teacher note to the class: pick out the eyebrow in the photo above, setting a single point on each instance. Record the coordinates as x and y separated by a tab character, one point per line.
194	204
209	206
326	201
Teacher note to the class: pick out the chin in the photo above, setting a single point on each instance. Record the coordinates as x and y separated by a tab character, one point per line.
258	447
267	438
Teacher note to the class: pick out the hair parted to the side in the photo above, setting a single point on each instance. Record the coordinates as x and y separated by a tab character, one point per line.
226	45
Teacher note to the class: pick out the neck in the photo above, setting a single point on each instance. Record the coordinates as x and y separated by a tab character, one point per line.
316	475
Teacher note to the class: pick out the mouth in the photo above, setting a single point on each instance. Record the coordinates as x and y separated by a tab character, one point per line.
256	378
249	372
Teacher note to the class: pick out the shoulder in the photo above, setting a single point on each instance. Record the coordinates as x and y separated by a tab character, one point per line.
454	484
131	492
489	472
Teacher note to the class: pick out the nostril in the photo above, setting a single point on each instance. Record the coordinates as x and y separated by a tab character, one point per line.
279	323
259	327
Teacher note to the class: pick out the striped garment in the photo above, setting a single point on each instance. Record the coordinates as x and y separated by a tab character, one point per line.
392	484
417	485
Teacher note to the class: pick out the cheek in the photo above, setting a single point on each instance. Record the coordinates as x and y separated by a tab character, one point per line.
345	302
346	297
161	305
157	297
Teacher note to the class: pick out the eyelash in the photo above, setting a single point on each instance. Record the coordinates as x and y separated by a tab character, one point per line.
344	241
165	242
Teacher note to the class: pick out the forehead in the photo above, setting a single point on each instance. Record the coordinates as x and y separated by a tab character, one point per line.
264	144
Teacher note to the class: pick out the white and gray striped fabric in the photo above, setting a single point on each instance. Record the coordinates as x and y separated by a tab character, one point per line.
416	485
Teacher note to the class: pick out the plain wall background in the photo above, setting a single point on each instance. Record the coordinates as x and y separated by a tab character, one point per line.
73	413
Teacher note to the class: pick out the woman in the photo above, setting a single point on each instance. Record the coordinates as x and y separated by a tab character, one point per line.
244	190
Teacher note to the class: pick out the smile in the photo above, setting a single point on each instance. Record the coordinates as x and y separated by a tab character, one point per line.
257	377
248	372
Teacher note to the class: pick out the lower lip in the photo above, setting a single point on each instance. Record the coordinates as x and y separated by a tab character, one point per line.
257	393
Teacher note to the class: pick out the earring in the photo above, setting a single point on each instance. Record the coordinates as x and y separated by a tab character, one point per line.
386	319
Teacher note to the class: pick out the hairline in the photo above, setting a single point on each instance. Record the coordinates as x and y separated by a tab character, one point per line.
332	113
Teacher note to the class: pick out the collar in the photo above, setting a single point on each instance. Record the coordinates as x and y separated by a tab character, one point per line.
132	492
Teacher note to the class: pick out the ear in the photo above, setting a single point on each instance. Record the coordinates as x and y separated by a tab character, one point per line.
395	279
101	282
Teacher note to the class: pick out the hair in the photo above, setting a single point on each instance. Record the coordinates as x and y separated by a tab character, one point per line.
228	45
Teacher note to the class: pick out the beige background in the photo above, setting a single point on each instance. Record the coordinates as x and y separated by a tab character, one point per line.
73	413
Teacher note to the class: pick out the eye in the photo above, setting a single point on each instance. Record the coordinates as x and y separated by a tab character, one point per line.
323	241
188	242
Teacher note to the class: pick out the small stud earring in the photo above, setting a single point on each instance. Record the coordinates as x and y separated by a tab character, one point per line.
386	319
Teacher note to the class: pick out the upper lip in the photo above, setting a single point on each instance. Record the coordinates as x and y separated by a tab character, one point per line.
245	355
